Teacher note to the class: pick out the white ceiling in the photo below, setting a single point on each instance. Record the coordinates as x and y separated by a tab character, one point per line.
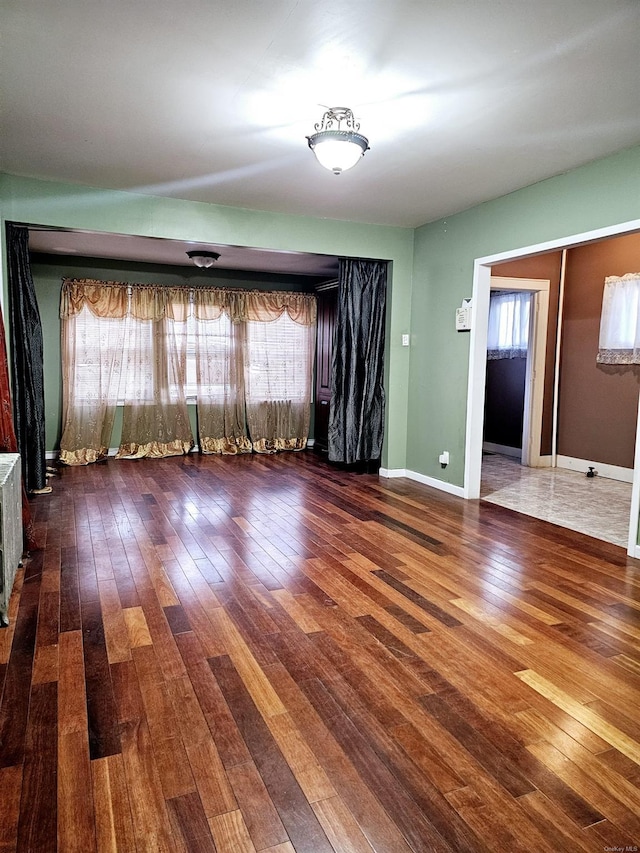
462	100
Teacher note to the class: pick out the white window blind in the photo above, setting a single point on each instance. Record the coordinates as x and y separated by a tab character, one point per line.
95	356
279	357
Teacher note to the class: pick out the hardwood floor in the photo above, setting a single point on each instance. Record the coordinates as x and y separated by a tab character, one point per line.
265	654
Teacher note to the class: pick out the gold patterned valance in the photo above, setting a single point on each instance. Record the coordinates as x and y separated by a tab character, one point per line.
155	302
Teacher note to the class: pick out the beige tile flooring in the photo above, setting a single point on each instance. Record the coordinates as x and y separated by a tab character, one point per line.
598	507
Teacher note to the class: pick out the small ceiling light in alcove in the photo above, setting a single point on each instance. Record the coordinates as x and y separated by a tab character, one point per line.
203	259
336	143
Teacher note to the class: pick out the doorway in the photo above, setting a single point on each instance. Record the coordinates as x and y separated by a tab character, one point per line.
511	471
477	365
529	376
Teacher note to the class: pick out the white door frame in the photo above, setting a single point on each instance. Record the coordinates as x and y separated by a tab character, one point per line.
478	358
536	357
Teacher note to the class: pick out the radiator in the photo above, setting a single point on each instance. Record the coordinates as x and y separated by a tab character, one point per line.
10	528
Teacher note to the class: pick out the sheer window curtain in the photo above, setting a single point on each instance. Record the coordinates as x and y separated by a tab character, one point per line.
254	356
279	346
219	358
619	341
155	418
278	378
120	344
92	342
508	333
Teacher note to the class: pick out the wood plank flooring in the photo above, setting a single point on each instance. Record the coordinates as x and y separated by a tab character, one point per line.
266	654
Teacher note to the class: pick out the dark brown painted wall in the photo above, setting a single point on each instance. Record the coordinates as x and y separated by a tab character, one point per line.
504	401
543	267
598	403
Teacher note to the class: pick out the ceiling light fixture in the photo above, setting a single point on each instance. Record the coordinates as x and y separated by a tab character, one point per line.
203	259
336	142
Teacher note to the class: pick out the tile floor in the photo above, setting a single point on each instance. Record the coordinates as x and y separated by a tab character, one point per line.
598	507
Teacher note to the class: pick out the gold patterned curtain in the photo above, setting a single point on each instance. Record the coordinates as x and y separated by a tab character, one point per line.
92	340
123	344
255	359
279	348
219	351
155	419
246	356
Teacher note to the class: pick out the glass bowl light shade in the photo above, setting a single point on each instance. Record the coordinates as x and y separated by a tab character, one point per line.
337	144
203	259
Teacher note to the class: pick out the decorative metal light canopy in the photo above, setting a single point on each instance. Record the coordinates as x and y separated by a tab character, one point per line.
336	142
203	259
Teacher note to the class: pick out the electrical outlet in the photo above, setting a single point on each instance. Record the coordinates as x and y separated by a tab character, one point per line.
405	340
444	458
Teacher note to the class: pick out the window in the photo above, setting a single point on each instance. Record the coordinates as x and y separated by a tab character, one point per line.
620	321
509	319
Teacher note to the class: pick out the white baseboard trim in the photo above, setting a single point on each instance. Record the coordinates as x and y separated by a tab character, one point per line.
392	472
636	553
441	485
544	462
611	472
502	449
311	442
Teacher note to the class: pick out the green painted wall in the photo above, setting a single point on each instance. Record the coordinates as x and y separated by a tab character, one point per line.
48	272
598	195
50	203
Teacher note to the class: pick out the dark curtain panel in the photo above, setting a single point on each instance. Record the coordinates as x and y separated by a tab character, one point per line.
8	441
356	419
26	360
